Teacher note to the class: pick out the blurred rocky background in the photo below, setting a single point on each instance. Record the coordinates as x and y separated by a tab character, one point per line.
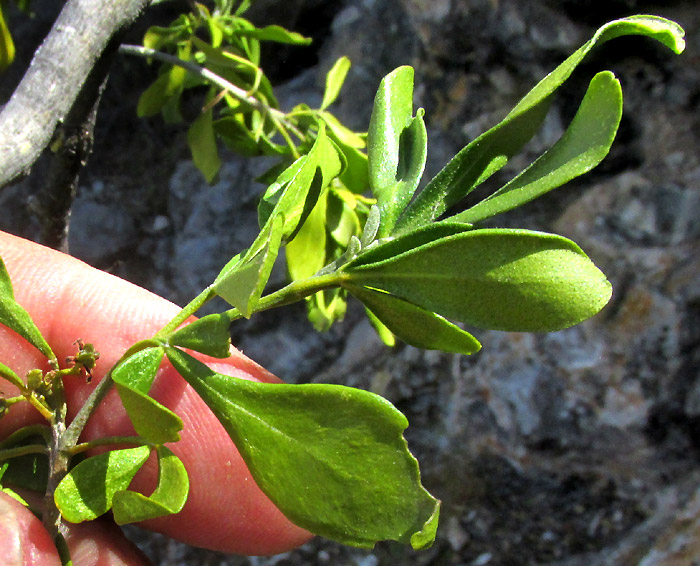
575	448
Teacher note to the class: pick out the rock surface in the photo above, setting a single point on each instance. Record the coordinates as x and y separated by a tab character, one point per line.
573	448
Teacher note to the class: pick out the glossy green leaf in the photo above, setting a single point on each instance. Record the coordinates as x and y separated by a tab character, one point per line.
583	146
332	458
168	498
209	335
134	376
334	81
13	315
515	280
277	34
414	325
202	142
86	492
491	151
396	146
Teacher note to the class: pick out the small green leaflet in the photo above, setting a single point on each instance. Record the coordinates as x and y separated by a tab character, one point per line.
516	280
86	492
133	377
582	147
13	315
209	335
334	81
332	458
414	325
168	498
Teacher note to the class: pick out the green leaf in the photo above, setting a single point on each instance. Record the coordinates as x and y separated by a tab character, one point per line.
414	325
134	376
202	142
7	46
242	286
275	33
491	151
334	81
583	146
209	335
306	253
13	315
86	492
515	280
332	458
396	146
168	498
167	86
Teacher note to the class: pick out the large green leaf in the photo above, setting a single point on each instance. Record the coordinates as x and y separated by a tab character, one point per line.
396	146
583	146
13	315
86	492
332	458
515	280
492	150
416	326
168	498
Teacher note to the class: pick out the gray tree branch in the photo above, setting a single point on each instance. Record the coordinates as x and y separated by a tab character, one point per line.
55	77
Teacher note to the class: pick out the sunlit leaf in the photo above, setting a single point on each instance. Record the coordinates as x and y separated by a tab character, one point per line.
414	325
168	498
7	45
277	34
86	492
13	315
332	458
492	150
515	280
334	81
396	146
583	146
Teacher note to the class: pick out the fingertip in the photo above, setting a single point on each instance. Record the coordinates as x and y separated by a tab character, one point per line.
23	539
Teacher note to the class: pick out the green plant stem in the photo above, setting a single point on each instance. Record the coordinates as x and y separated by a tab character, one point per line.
107	441
7	453
188	310
295	291
235	91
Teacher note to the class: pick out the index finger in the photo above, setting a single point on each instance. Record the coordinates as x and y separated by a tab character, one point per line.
69	300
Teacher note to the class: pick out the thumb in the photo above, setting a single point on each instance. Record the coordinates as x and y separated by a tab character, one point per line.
25	542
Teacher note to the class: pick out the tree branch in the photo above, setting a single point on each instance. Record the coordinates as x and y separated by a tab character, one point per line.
55	77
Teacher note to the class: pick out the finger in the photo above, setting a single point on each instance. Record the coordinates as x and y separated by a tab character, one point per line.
69	300
25	542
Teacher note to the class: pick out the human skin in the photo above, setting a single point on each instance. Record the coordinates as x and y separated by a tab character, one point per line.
69	300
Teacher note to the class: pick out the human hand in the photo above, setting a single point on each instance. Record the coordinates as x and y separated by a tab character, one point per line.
69	300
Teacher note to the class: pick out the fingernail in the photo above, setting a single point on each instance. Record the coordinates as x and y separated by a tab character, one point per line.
10	535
